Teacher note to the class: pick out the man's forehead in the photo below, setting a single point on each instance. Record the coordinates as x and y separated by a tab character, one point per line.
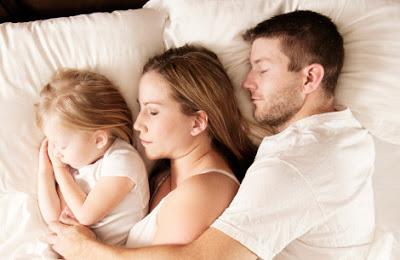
265	49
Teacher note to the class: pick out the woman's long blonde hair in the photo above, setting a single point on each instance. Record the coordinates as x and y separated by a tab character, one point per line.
85	100
198	81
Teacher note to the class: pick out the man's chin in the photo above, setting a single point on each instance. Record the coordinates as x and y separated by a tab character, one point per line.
265	120
259	117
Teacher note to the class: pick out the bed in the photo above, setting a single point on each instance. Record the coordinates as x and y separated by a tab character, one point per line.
117	44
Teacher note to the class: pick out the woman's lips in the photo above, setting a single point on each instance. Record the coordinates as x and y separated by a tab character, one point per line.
144	142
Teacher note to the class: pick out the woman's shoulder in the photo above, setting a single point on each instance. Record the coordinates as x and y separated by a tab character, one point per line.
195	204
212	189
210	180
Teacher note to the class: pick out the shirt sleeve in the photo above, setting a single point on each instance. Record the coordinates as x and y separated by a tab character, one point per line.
274	206
124	162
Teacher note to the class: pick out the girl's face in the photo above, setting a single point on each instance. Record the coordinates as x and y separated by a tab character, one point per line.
164	131
74	147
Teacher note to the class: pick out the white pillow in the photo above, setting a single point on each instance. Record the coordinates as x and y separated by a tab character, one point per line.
115	44
370	81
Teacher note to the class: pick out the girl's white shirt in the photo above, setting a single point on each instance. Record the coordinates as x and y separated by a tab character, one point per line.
121	159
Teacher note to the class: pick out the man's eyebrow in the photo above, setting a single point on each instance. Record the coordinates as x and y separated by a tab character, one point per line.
262	59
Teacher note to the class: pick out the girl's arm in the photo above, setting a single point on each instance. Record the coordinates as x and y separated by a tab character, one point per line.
89	209
49	202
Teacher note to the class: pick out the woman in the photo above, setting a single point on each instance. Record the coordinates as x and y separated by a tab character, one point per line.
188	116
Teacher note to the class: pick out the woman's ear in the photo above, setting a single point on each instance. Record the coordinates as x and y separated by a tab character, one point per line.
314	73
101	138
200	123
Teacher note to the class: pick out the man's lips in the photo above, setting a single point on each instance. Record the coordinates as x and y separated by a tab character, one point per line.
255	99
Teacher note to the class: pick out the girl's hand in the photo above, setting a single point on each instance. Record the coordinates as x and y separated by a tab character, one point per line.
54	157
45	165
67	213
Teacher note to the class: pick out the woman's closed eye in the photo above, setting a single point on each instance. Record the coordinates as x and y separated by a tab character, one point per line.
153	112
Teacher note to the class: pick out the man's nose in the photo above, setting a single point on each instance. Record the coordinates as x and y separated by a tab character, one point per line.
248	82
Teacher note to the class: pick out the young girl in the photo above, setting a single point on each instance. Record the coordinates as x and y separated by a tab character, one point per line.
88	127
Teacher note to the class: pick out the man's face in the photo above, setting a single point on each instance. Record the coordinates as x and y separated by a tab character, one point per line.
275	91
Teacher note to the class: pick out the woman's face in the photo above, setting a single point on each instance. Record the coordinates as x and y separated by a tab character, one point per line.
164	131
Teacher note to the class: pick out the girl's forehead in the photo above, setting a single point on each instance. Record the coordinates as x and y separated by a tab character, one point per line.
54	125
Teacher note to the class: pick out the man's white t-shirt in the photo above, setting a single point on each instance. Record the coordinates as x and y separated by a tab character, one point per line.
121	159
308	194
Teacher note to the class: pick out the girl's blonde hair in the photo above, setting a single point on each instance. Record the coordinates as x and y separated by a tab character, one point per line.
198	81
85	100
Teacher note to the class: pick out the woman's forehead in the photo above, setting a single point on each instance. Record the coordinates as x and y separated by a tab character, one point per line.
153	88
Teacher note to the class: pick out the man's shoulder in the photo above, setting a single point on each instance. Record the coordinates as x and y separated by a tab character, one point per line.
271	171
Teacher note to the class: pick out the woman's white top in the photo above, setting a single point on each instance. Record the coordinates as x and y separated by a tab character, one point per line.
143	233
121	159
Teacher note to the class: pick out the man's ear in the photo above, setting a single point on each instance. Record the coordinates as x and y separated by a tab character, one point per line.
101	138
313	75
200	123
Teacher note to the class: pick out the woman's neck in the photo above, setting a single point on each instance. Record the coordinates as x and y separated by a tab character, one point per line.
199	157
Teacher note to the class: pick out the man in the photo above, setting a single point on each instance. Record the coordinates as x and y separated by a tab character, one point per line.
308	194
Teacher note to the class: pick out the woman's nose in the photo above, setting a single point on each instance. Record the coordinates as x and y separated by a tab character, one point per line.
139	125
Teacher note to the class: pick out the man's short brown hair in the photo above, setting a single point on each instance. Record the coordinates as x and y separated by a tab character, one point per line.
306	37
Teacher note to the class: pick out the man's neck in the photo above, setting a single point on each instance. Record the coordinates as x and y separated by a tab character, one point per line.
309	109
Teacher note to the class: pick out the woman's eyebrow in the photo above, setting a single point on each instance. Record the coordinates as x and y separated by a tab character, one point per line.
150	102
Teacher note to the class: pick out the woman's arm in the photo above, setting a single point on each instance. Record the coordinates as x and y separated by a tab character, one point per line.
193	207
78	242
49	202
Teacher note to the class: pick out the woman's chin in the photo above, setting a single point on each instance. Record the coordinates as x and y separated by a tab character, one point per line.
152	156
